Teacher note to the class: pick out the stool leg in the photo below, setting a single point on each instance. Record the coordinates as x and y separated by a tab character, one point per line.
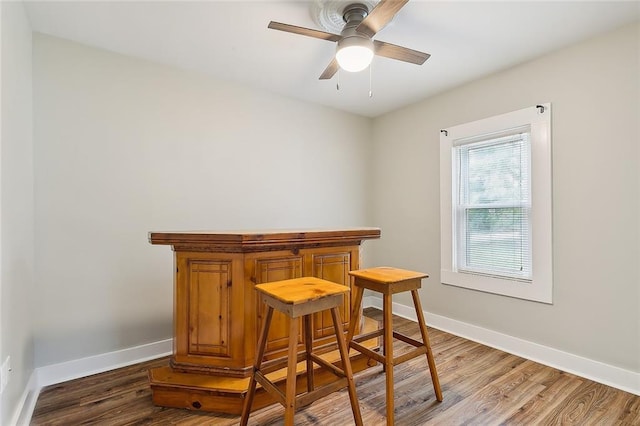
425	338
290	399
387	347
346	365
262	344
355	314
308	336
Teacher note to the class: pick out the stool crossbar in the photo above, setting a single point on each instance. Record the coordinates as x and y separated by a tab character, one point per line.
389	281
301	297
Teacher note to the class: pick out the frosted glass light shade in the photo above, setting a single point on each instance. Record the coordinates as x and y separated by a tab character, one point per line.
354	53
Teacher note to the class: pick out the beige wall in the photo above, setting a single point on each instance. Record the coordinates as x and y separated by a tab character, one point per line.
124	146
593	87
16	204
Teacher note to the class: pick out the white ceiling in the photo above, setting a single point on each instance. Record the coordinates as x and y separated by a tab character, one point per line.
230	40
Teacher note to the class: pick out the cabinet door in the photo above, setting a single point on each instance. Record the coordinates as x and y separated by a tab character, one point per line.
205	300
332	264
210	307
265	268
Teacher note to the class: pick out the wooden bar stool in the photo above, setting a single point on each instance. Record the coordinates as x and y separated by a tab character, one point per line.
389	281
301	297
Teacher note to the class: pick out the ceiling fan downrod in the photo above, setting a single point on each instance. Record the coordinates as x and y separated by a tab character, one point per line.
355	13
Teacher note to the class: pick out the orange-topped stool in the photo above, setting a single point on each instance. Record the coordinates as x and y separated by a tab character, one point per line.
390	281
301	297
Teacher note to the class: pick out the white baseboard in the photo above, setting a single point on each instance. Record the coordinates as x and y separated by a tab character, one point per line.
23	411
597	371
64	371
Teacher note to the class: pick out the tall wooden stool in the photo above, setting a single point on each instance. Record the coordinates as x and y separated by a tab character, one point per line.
301	297
390	281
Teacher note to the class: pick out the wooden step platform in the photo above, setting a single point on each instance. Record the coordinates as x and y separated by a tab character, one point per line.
224	394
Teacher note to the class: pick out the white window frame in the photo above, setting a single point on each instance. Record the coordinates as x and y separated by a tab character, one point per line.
540	287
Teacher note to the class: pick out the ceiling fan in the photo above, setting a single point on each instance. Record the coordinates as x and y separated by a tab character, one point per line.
355	45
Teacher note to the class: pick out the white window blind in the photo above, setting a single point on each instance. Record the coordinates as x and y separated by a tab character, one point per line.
493	205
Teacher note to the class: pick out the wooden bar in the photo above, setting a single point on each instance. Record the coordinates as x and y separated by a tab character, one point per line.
217	313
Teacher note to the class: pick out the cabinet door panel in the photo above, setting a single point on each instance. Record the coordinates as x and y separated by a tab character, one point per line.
209	309
332	265
269	269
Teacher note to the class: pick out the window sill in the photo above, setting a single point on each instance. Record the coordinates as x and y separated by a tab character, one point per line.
507	287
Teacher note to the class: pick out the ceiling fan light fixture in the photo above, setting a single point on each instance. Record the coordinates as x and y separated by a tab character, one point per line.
354	53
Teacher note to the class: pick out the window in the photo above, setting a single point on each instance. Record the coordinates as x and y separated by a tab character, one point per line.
496	204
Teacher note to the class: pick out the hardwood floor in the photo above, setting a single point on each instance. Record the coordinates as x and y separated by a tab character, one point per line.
481	386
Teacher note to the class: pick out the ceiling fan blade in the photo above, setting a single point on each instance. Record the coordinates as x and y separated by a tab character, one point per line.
400	53
331	70
380	16
304	31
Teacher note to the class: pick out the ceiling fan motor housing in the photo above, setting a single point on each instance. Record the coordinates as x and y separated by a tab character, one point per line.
329	14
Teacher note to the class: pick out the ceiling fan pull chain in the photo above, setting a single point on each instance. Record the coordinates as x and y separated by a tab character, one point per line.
370	73
338	82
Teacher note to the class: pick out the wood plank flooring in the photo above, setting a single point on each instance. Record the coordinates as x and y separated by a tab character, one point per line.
481	386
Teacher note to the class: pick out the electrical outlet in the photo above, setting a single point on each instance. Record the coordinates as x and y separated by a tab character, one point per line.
4	373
